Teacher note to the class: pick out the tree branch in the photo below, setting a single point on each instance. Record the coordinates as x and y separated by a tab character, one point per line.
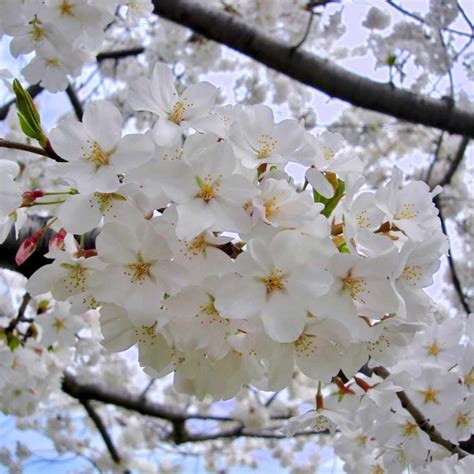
102	429
421	420
445	182
176	417
36	89
422	20
75	102
22	147
119	54
314	71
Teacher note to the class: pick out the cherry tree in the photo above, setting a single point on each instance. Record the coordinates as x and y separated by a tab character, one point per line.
196	264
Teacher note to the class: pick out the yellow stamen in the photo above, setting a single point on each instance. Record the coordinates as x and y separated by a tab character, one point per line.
66	8
139	271
275	281
431	395
271	208
408	211
267	146
410	429
95	154
177	114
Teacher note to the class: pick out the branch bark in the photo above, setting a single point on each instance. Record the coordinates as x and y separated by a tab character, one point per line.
75	102
314	71
97	420
176	417
445	182
421	420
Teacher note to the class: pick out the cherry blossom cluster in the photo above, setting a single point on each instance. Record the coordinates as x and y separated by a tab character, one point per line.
63	34
212	260
35	349
376	433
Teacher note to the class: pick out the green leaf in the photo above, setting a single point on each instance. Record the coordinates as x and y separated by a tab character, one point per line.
28	115
13	342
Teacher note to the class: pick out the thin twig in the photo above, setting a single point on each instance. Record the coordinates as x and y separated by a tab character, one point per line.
147	388
21	313
456	162
454	274
422	20
421	420
23	147
435	158
464	15
75	102
458	157
102	429
272	399
119	53
306	33
448	66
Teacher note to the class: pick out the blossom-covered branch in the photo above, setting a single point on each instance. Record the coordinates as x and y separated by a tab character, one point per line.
421	420
314	71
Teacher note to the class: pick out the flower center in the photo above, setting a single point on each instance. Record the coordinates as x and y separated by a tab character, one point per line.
177	114
197	245
210	310
410	429
431	395
271	208
139	272
208	188
96	154
275	281
267	146
66	8
304	344
52	62
75	280
463	419
59	324
37	33
362	221
355	286
412	272
433	349
469	378
328	154
408	211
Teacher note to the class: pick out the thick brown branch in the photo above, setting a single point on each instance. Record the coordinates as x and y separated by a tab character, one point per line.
421	420
175	416
314	71
10	247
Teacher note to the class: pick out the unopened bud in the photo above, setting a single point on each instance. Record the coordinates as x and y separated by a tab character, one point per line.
362	384
57	242
28	246
29	197
343	388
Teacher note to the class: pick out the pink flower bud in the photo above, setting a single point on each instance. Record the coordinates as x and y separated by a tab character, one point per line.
28	246
29	197
57	242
